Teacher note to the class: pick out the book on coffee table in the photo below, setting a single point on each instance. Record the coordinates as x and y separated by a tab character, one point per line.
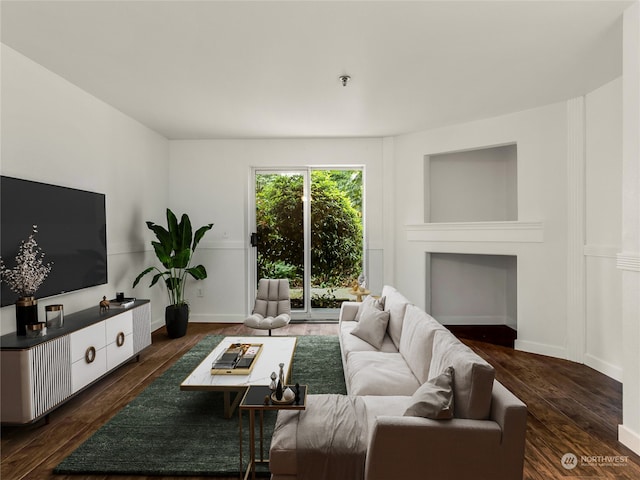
238	359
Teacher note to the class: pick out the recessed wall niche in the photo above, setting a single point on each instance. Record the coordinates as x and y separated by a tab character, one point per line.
478	185
472	289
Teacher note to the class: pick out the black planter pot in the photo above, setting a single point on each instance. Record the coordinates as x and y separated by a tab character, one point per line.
176	318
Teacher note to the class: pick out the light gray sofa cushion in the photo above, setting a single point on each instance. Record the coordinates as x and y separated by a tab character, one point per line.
434	399
369	301
395	303
372	325
416	343
377	373
473	379
351	343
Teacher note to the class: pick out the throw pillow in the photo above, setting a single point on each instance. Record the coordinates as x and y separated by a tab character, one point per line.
372	326
368	301
434	399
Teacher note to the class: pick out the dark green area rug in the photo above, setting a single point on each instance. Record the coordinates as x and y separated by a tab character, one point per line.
166	431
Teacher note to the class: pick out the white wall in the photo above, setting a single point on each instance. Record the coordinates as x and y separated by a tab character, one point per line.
541	138
629	257
603	200
210	179
55	133
542	288
472	186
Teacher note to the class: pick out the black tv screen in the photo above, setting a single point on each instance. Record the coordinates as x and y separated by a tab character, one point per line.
72	233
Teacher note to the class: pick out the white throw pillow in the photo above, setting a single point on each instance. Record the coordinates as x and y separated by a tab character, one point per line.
434	398
368	301
372	326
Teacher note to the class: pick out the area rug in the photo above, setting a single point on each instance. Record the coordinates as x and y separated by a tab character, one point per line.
165	431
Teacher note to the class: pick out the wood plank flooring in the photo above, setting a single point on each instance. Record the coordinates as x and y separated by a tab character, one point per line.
572	409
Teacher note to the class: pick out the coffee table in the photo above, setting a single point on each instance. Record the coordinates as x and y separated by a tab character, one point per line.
275	350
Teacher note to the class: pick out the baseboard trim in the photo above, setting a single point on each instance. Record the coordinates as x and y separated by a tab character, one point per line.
540	349
199	318
157	324
602	366
216	318
629	438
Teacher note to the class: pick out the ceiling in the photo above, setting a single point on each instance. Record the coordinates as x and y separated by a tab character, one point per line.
267	69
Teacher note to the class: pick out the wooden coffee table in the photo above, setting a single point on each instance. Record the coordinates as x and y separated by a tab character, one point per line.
275	350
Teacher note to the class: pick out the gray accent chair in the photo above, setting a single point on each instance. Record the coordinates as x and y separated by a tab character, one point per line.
272	308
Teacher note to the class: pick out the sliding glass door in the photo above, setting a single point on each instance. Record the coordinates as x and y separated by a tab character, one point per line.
281	236
309	229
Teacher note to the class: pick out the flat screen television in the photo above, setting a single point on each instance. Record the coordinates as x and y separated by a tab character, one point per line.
72	233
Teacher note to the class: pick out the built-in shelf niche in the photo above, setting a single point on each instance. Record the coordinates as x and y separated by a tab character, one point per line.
472	289
479	185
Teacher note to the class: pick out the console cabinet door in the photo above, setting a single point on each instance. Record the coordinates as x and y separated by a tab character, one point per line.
119	339
141	327
88	355
34	381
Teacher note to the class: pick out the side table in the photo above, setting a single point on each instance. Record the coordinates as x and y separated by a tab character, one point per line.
359	293
254	400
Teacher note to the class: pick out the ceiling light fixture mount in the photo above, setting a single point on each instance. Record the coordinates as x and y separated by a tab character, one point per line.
344	79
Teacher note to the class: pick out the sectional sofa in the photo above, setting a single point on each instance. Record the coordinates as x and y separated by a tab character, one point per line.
420	404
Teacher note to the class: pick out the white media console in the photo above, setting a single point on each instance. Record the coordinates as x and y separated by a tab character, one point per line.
39	374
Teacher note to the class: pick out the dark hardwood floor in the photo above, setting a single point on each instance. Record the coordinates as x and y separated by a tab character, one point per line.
572	409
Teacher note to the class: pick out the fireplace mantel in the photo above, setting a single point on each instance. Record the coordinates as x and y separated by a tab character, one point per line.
507	231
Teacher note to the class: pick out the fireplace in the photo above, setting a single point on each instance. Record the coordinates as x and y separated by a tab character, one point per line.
473	292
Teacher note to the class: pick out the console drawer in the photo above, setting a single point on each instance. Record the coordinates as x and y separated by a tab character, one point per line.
88	355
88	368
119	339
91	336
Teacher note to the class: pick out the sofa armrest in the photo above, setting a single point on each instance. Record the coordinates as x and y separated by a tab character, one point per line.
412	447
511	414
507	410
348	311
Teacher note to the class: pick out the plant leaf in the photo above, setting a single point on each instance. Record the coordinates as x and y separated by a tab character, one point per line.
161	233
199	272
139	277
184	233
199	234
172	224
157	277
163	254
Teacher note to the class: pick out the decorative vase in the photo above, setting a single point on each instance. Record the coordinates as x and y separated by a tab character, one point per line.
288	395
176	318
26	314
55	316
281	386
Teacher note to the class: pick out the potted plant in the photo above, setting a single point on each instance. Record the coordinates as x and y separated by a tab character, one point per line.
174	248
25	279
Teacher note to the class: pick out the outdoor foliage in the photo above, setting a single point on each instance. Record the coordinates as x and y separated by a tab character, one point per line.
336	225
